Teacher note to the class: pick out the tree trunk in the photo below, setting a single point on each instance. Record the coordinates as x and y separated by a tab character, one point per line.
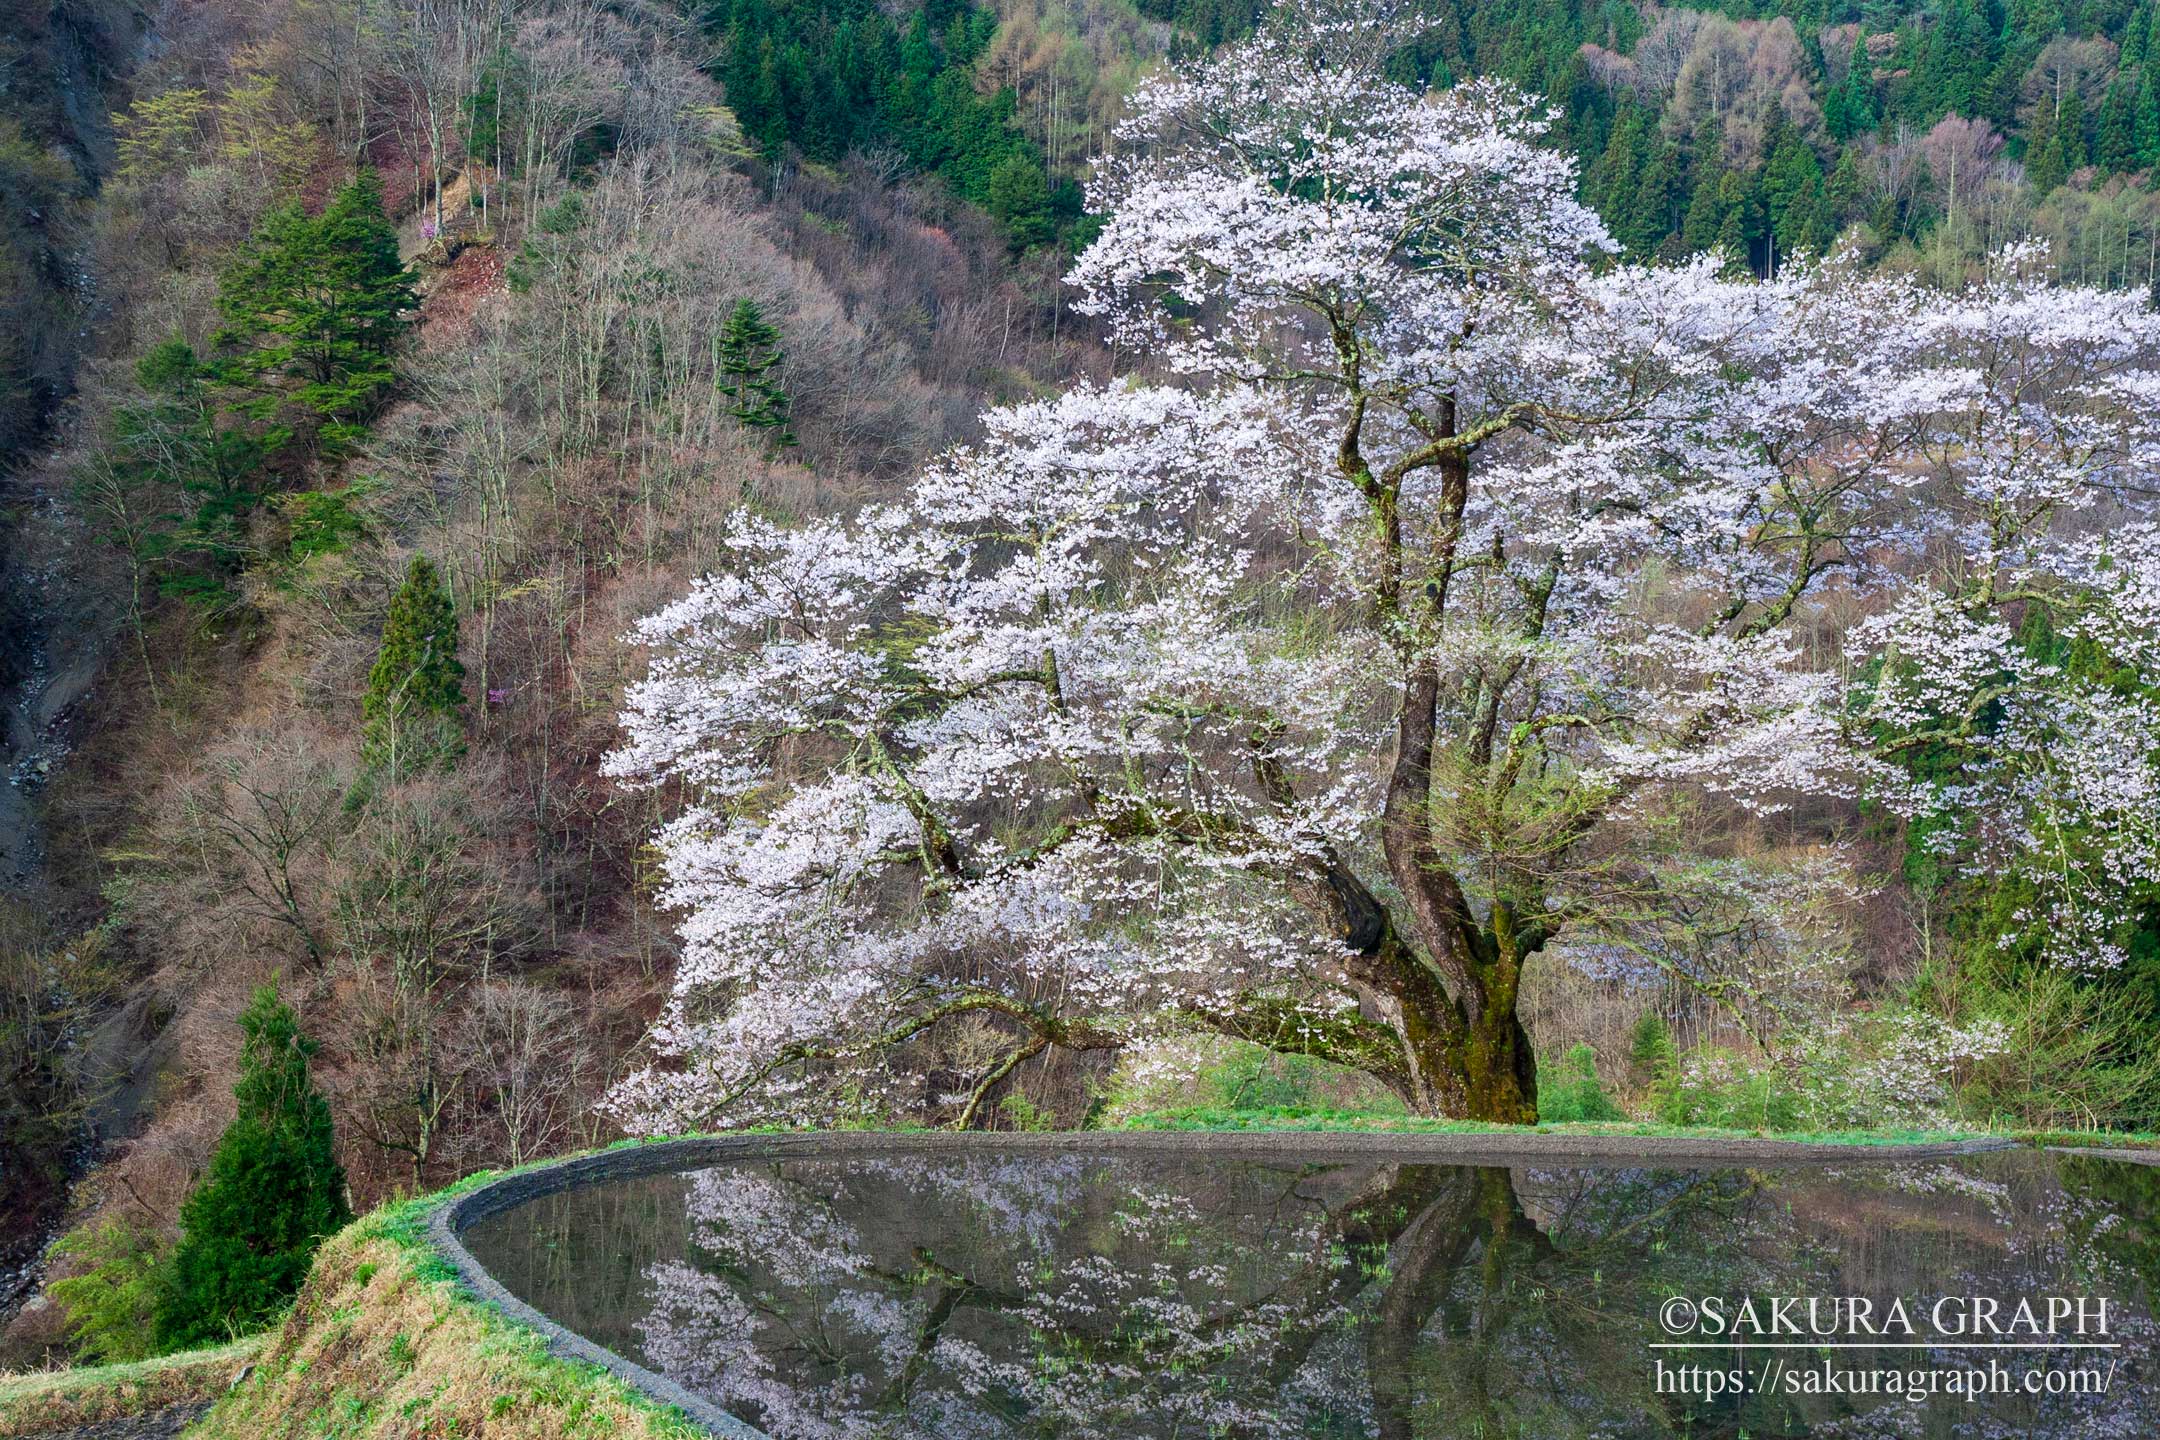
1467	1052
1464	1068
1502	1080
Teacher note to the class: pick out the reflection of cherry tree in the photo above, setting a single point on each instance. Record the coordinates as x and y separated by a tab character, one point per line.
821	1326
928	1294
2001	1230
903	1298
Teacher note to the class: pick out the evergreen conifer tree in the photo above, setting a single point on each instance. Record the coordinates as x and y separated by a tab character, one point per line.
1885	220
1019	200
412	710
1820	228
1613	178
2071	127
1792	182
274	1190
2145	119
1849	109
1705	218
1650	216
2136	36
1743	223
1844	191
311	310
748	351
2046	164
178	485
2115	150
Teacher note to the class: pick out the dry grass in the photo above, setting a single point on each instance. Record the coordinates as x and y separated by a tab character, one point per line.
62	1399
383	1345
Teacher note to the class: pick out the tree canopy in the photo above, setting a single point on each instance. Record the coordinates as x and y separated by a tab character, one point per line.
312	308
747	352
833	76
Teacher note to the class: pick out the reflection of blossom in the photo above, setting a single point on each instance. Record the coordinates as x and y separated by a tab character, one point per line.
1103	1330
989	1297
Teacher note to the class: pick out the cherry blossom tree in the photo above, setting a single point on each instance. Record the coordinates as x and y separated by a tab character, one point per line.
1305	684
2019	695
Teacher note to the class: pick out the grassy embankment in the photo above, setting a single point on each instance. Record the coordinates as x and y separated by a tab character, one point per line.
63	1399
381	1342
1296	1118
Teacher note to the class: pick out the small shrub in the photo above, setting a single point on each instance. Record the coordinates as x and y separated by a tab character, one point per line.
2080	1055
1652	1056
110	1305
1197	1076
746	355
1025	1114
411	713
1569	1092
323	522
1254	1079
1715	1087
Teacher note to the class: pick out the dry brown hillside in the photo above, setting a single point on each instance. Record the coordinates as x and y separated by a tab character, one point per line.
556	446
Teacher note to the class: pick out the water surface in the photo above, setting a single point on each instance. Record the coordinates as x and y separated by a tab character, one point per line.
957	1295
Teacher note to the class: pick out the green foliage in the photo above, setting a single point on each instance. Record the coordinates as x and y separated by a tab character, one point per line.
311	309
111	1304
1022	1113
1208	1075
1250	1078
1210	1119
2081	1054
1717	1088
413	708
1019	199
1663	191
547	244
746	355
1653	1059
161	133
323	522
273	1192
172	487
829	76
1568	1091
1210	22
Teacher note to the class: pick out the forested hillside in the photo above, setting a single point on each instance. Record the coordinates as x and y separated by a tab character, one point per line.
436	344
1772	129
1931	134
445	366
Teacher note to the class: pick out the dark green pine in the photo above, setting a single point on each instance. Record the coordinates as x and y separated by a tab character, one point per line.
312	308
746	354
273	1192
412	711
